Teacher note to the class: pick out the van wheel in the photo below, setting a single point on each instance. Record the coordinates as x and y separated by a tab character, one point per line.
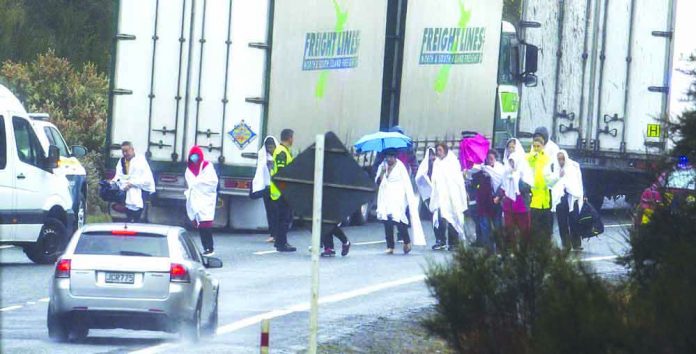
58	329
50	244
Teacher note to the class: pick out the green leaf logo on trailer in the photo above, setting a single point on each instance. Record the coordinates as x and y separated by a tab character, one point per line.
331	50
449	46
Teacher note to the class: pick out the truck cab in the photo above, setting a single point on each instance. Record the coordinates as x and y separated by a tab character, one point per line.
36	213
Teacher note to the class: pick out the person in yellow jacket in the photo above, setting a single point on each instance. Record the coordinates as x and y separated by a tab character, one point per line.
540	163
282	157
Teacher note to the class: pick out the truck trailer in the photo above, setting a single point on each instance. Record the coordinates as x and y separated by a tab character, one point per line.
226	74
606	92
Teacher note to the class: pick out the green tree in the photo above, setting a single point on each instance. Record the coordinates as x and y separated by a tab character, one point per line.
79	30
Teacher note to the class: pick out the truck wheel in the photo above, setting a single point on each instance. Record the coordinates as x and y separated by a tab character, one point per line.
58	329
361	215
50	244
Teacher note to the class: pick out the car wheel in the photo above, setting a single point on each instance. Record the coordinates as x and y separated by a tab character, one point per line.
58	329
191	329
212	325
50	244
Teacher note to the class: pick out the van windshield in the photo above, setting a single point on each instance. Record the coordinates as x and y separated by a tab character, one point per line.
54	138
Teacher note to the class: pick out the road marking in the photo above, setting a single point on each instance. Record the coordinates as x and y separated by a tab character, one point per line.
10	308
599	258
44	299
369	243
31	303
265	252
618	225
6	246
253	320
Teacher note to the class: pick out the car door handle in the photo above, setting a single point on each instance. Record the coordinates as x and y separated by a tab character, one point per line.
21	176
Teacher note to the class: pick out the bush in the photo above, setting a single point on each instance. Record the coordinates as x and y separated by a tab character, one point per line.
75	99
532	298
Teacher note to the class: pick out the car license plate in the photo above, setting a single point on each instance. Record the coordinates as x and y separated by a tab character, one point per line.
120	278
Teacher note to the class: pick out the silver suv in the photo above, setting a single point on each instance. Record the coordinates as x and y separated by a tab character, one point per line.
133	276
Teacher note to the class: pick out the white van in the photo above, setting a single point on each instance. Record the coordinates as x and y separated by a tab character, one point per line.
68	164
35	203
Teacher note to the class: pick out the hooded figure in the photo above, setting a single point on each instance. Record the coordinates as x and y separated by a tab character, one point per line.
264	165
201	195
395	196
449	197
567	196
514	188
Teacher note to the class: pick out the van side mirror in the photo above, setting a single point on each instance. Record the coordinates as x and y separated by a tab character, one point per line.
78	150
52	158
530	80
531	59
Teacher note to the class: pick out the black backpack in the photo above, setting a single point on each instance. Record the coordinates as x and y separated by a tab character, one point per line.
589	222
109	192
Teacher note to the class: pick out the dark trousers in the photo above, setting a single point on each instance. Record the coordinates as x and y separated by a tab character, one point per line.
389	232
542	222
445	232
206	238
133	216
567	224
271	211
283	218
327	237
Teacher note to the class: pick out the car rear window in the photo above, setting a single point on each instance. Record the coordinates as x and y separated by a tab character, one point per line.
141	245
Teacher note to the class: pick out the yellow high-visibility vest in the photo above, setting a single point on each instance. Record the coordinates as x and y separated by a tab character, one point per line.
281	158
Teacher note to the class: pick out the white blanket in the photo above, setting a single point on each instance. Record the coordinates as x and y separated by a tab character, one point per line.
395	194
570	182
448	196
423	182
201	195
139	176
516	169
262	177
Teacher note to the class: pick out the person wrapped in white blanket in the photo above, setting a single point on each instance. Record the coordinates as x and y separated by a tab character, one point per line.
201	196
448	200
133	175
567	198
261	184
395	196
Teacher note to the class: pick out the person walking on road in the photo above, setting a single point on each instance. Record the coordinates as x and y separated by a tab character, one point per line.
395	197
448	200
488	213
262	181
201	196
425	185
282	157
514	190
567	193
133	176
327	235
540	162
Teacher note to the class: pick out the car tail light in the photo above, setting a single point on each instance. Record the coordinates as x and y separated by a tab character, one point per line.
233	183
63	268
178	273
124	232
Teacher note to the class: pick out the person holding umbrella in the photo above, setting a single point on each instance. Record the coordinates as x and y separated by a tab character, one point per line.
395	197
448	200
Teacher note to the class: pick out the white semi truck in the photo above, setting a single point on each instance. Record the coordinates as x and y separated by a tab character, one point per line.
614	77
225	74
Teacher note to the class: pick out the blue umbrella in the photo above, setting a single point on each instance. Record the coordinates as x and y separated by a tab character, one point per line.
381	141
